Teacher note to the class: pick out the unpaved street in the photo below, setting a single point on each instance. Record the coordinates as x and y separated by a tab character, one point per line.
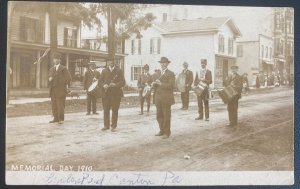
263	140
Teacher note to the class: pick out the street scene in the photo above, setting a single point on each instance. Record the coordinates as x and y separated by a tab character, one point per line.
112	88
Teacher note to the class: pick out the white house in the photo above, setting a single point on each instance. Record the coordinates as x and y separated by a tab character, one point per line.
213	39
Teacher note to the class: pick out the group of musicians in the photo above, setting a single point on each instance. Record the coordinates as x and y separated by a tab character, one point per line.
162	83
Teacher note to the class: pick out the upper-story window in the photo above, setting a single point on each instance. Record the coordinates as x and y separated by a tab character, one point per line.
230	46
136	46
155	45
262	51
267	53
277	21
31	30
240	50
165	17
70	37
221	44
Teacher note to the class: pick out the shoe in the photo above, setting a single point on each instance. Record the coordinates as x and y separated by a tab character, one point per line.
96	113
104	128
165	137
198	118
113	129
159	134
88	113
53	121
206	119
60	122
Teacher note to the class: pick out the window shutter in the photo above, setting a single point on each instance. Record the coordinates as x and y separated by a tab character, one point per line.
22	28
151	46
140	46
131	73
158	45
132	46
65	36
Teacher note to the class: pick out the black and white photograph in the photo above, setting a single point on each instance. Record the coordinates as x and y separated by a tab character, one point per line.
129	94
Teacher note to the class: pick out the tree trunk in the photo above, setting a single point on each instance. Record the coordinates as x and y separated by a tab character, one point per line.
111	32
53	29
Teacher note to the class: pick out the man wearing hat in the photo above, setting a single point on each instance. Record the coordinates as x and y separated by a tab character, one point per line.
164	98
185	96
204	75
91	75
236	81
144	80
111	80
59	78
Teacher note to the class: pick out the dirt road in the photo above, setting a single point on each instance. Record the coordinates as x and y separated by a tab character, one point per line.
263	140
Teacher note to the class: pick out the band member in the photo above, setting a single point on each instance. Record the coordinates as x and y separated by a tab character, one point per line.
91	75
59	78
111	80
144	80
185	96
236	81
164	98
203	76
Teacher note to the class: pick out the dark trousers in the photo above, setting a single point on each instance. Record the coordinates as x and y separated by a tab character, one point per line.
203	99
232	108
185	99
58	107
142	100
91	103
111	103
163	116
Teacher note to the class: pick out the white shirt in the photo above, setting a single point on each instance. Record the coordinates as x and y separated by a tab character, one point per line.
163	71
56	67
111	68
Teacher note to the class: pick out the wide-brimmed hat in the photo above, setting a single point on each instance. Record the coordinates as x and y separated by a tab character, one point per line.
234	68
204	61
57	55
146	67
164	60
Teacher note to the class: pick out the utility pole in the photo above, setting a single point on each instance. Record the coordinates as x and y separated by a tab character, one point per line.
111	31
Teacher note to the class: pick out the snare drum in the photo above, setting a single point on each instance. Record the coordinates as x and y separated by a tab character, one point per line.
146	91
227	94
92	90
200	88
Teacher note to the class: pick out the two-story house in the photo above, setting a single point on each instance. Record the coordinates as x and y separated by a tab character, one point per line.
30	37
213	39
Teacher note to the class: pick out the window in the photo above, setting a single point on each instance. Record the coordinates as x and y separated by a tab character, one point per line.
70	37
135	72
230	46
262	51
240	50
277	43
277	21
271	51
136	46
165	17
31	30
221	44
267	53
155	45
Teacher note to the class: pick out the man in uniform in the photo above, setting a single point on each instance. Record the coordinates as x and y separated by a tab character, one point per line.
236	81
185	96
111	80
203	76
59	78
164	98
91	75
144	80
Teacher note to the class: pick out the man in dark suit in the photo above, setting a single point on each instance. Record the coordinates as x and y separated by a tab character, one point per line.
111	80
144	80
91	75
236	81
164	98
203	76
59	78
185	96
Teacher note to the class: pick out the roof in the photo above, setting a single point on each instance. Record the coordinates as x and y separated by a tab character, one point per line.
203	24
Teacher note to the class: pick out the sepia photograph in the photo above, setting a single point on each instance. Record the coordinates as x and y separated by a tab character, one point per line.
128	94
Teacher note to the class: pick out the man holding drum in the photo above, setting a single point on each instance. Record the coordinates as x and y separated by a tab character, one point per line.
203	78
236	81
91	75
144	82
185	96
164	98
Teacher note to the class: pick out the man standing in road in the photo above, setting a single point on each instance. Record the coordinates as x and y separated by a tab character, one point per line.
144	82
203	76
59	78
185	96
91	75
111	80
164	98
236	81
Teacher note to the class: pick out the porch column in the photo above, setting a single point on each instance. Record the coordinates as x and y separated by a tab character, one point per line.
38	71
67	60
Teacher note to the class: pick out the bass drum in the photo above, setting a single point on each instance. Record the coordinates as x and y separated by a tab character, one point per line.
92	90
180	82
